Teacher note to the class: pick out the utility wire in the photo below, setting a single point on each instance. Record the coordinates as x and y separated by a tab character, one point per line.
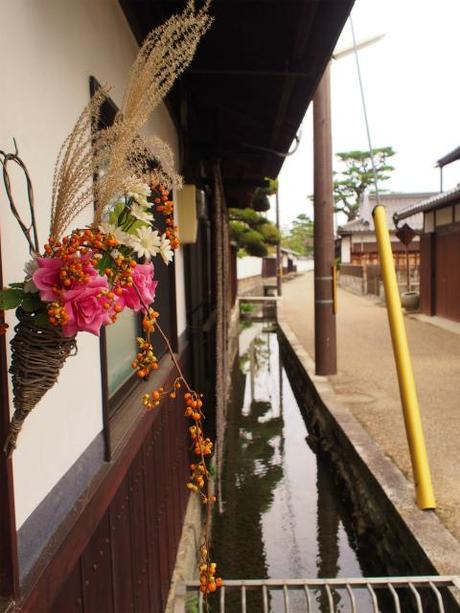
366	121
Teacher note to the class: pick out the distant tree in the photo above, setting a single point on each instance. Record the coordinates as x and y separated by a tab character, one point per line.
299	237
357	176
260	200
252	232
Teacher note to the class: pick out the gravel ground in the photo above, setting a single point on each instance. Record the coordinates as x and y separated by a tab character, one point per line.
366	383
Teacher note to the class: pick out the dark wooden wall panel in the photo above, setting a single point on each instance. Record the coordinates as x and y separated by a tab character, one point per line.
160	479
139	552
70	597
152	522
120	536
448	276
427	287
96	565
128	561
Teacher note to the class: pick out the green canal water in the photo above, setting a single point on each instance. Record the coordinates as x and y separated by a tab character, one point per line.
281	514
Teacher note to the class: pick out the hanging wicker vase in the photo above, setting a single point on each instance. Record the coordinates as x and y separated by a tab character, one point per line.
37	356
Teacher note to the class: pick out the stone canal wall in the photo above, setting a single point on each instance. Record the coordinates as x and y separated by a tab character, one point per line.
383	513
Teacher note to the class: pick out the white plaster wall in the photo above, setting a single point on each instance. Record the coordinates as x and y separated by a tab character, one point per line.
345	250
248	266
305	264
48	50
444	216
457	212
429	222
370	237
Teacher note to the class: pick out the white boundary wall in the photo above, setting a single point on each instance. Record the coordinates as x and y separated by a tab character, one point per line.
248	266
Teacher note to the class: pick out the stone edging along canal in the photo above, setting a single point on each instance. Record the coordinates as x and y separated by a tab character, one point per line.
379	494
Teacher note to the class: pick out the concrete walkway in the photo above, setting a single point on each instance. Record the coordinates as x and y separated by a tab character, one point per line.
366	383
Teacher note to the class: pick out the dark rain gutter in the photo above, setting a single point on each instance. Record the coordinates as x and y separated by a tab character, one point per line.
450	157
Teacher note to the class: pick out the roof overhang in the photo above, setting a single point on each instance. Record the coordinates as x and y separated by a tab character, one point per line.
243	98
435	202
450	157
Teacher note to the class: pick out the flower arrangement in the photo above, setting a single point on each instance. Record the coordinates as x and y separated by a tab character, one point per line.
82	280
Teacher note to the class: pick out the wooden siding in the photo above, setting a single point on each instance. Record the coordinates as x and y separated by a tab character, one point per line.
125	563
447	273
9	569
373	279
269	267
427	280
353	271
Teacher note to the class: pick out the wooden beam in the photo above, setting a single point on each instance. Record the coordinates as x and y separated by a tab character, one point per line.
305	25
9	570
238	72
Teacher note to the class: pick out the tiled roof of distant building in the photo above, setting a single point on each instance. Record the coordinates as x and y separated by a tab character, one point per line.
393	203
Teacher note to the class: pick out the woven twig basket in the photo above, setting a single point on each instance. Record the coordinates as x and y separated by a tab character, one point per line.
37	356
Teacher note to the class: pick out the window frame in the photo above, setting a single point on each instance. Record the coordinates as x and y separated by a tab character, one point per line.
115	407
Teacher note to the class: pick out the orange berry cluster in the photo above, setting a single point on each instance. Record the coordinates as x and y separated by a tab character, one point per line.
199	474
208	580
197	477
146	360
57	315
122	275
148	323
75	270
109	303
202	446
164	204
80	242
152	400
193	406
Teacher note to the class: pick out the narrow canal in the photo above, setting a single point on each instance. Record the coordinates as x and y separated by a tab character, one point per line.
281	515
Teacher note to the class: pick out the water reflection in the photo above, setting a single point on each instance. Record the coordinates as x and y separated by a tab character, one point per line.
281	513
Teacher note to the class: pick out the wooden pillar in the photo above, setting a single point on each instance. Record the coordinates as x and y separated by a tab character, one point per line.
9	569
278	248
324	254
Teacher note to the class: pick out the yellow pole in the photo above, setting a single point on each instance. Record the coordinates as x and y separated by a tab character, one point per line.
334	288
411	411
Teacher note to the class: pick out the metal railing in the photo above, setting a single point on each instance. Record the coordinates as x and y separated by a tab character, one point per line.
420	594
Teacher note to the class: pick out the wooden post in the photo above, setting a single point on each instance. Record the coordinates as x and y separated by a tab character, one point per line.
324	254
278	248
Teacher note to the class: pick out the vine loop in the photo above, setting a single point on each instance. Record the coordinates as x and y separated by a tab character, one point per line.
26	229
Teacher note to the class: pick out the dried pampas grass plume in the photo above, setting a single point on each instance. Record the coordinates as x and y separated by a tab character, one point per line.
99	165
76	164
164	55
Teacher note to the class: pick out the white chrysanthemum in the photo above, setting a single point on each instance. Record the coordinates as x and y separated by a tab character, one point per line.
140	212
140	193
116	254
115	231
165	249
146	242
29	268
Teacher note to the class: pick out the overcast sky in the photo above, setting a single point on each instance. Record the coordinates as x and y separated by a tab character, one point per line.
412	88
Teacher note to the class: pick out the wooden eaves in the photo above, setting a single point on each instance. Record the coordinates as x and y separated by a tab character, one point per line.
244	97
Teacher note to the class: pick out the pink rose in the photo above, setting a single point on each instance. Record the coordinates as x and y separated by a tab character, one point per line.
145	284
85	308
46	277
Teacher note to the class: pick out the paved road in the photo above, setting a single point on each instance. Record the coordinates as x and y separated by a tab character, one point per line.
366	383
